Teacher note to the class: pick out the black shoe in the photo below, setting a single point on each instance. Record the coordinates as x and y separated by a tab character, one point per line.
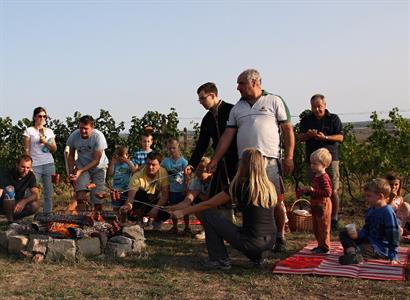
280	245
221	264
334	225
319	250
351	259
261	259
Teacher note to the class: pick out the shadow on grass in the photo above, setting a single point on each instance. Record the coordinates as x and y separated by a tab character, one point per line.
171	253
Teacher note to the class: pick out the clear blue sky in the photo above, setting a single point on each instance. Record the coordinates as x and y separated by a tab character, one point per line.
129	57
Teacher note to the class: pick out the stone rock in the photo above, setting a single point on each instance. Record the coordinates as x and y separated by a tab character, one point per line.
119	239
138	246
26	254
103	238
134	232
58	249
17	243
118	250
89	246
38	245
39	237
21	229
4	238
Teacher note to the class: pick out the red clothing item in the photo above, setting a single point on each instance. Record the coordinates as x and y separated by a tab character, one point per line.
321	209
322	186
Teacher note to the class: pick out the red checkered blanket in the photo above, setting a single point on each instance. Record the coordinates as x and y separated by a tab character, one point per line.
305	262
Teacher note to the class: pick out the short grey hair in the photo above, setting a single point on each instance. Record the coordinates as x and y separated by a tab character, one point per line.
251	75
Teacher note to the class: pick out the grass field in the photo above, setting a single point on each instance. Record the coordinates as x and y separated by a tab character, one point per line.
169	269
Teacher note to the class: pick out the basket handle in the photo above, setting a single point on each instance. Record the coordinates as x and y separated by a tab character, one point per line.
299	200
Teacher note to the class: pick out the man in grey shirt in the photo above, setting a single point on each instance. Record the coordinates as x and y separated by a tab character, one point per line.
91	163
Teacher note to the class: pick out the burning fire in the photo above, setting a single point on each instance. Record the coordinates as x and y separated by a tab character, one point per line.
61	228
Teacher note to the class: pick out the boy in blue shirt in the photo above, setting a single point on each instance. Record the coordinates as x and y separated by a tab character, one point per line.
175	165
379	237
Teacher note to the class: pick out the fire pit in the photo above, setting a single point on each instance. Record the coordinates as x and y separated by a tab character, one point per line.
63	234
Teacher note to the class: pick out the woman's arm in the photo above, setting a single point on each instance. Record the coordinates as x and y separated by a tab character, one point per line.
218	199
189	198
51	145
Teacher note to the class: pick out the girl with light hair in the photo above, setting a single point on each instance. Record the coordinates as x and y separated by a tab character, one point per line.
254	195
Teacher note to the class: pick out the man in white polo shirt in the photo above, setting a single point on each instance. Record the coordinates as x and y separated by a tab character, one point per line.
258	119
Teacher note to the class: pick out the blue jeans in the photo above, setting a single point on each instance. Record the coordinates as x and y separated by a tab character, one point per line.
43	174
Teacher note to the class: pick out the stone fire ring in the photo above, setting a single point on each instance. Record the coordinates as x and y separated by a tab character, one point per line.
18	240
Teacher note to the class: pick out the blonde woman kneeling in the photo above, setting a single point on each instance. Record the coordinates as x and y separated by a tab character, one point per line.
255	197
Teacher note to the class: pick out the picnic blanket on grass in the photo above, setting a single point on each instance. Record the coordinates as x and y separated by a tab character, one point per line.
305	262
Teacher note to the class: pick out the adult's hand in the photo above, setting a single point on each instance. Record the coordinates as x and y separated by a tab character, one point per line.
320	136
18	208
75	175
126	207
211	168
288	166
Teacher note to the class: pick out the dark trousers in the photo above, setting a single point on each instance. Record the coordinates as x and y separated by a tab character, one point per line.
218	228
140	210
361	245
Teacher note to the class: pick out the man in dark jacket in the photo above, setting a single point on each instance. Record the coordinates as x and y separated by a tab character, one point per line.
212	126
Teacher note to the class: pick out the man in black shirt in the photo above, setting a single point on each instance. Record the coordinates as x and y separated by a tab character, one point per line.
321	129
212	126
19	195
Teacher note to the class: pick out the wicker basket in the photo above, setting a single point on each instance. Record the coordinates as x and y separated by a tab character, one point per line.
299	222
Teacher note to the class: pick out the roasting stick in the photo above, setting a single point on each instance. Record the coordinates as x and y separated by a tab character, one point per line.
150	183
152	205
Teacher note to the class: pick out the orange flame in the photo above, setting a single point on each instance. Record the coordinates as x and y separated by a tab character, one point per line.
61	228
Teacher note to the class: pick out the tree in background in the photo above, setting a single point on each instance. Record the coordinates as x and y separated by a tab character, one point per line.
386	148
163	127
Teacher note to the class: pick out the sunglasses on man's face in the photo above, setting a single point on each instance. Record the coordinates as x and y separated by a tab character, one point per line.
42	116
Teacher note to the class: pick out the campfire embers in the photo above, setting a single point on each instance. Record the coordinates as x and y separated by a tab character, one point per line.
61	224
60	235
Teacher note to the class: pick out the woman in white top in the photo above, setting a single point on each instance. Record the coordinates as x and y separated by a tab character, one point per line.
39	143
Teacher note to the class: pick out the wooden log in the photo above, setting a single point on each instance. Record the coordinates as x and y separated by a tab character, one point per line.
64	218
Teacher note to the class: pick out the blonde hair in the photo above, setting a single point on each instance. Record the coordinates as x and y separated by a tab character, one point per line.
205	160
378	186
323	156
252	168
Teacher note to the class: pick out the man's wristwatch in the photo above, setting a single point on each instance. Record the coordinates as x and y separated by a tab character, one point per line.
326	137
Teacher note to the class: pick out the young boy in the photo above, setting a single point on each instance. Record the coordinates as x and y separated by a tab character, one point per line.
198	190
379	237
175	165
121	168
320	192
139	157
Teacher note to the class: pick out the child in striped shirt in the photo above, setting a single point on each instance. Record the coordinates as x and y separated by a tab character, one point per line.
320	192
